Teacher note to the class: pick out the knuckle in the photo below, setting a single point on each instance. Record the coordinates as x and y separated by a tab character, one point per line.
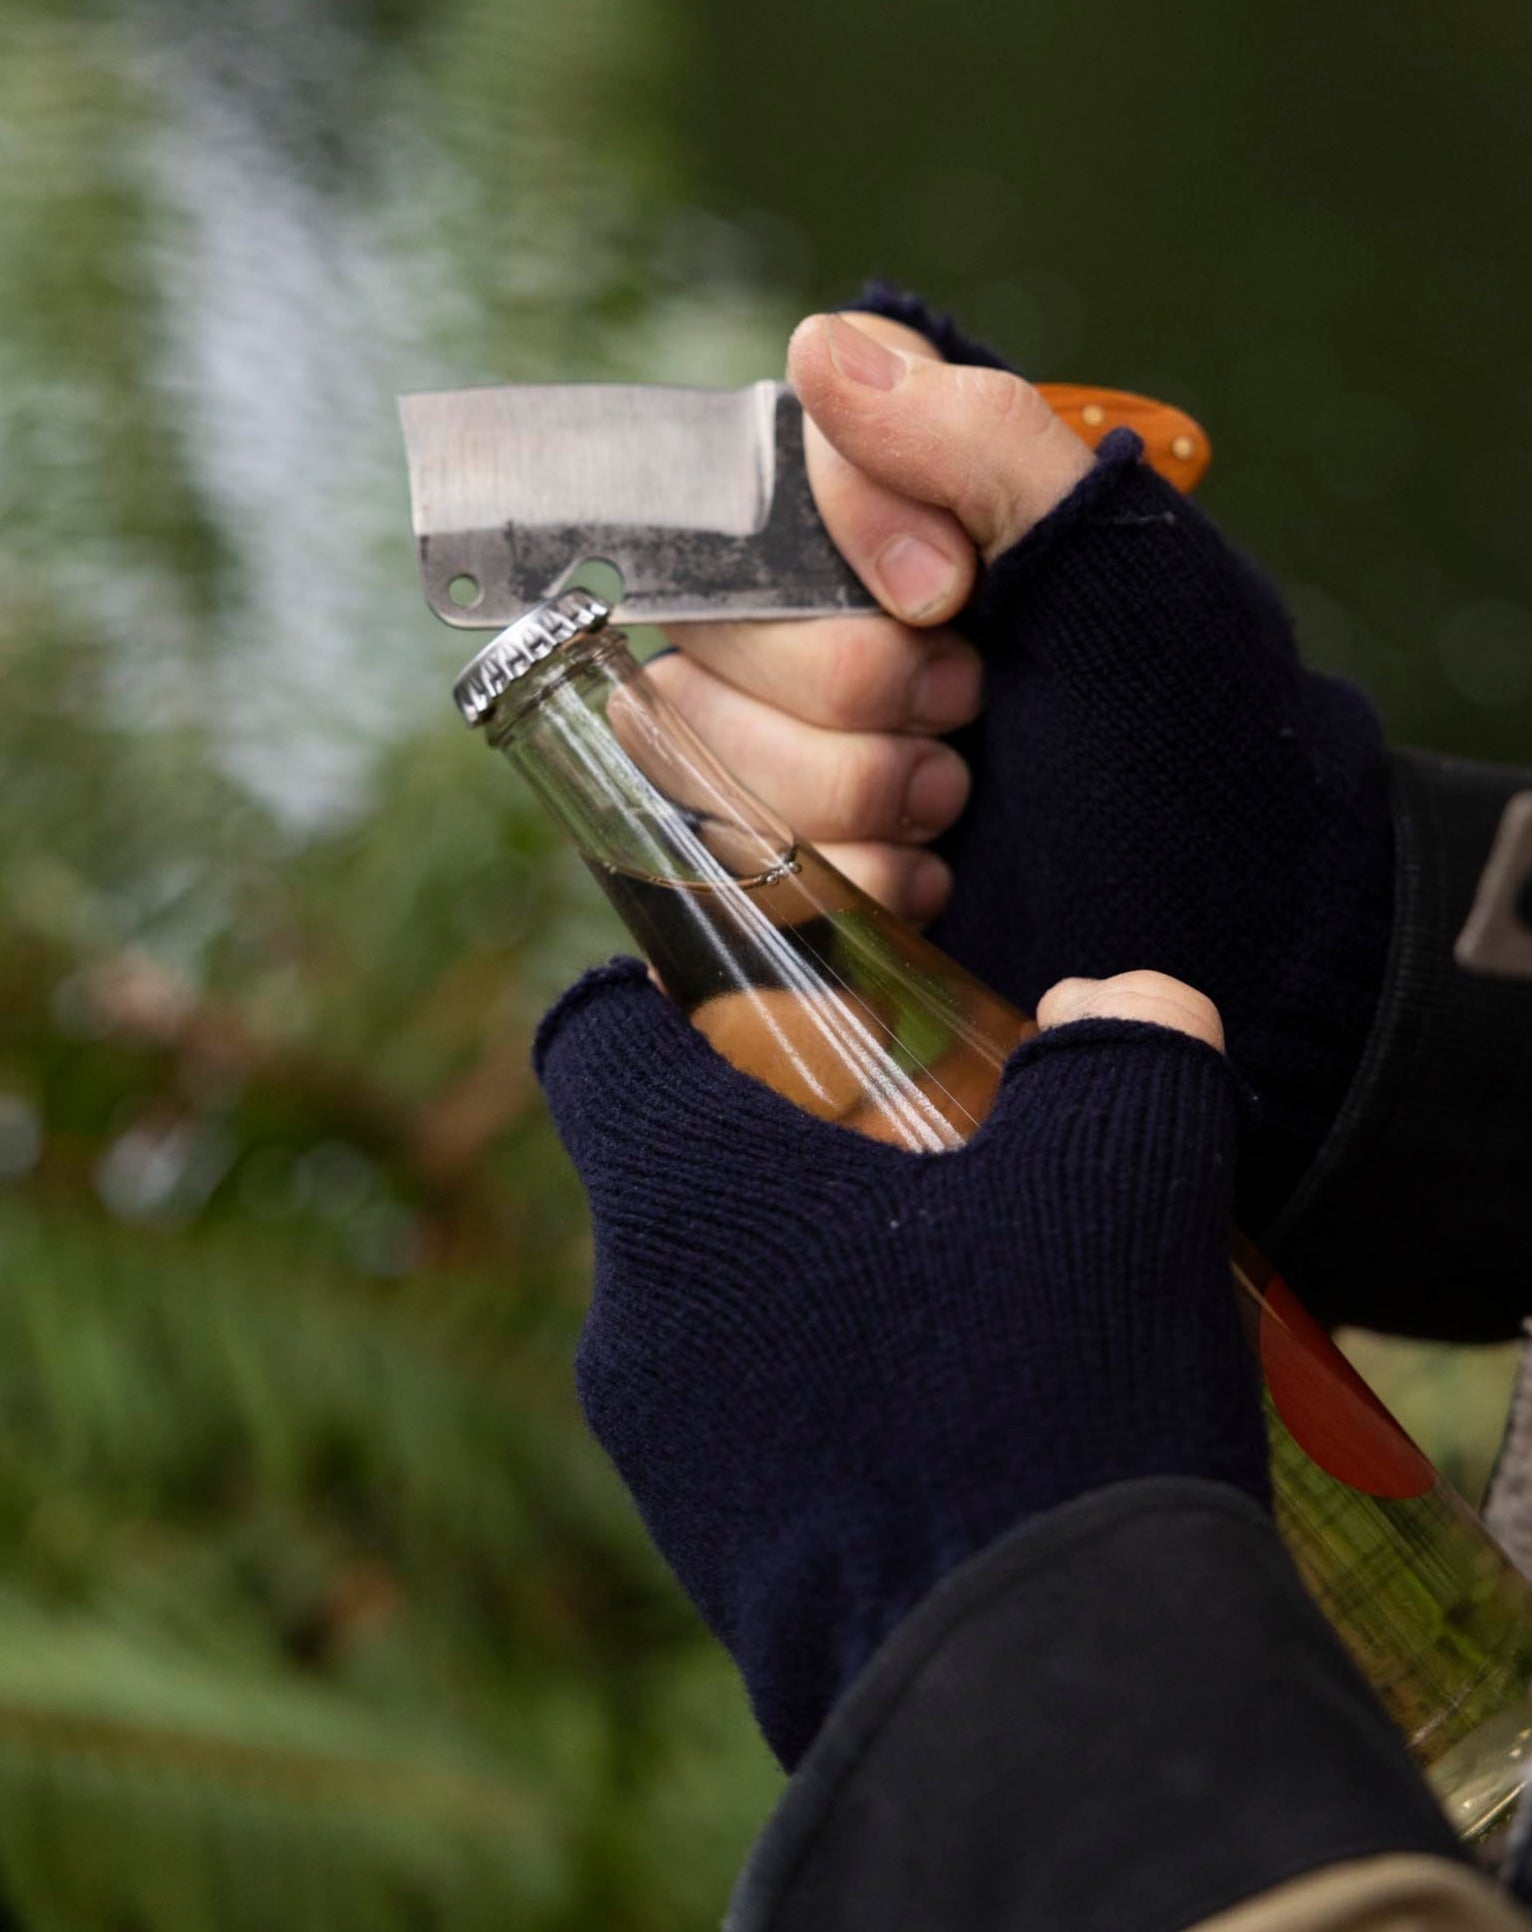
866	788
880	870
885	874
864	674
1168	1002
1144	980
1006	402
1016	418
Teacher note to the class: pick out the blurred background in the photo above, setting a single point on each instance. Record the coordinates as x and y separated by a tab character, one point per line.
316	1606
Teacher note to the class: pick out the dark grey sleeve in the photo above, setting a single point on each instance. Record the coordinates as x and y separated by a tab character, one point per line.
1126	1716
1416	1217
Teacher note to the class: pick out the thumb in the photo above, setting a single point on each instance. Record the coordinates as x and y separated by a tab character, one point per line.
1154	997
979	442
1125	1095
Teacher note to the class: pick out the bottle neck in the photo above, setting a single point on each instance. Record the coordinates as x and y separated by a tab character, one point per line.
626	776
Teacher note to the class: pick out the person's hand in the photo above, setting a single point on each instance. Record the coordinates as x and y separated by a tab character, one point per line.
1153	776
835	721
830	1370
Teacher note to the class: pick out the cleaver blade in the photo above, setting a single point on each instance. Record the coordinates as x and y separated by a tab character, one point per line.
699	497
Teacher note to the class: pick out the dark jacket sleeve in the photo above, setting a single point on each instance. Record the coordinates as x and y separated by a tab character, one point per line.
1126	1716
1416	1217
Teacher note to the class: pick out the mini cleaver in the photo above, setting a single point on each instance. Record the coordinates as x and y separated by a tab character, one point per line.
699	497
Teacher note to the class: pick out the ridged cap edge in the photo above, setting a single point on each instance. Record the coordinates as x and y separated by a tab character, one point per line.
513	652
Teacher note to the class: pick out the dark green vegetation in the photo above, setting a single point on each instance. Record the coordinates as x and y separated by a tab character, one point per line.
316	1608
1302	223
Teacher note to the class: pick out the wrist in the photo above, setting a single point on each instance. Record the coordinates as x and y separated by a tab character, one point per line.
1107	1669
1163	783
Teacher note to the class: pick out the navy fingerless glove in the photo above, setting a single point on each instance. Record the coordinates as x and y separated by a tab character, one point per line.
830	1370
1158	782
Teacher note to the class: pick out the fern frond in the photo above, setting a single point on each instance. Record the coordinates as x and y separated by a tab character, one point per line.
138	1787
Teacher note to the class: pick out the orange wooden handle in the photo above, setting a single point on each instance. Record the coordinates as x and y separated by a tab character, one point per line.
1175	443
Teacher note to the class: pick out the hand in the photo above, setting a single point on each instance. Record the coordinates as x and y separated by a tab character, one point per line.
830	1370
835	721
1153	777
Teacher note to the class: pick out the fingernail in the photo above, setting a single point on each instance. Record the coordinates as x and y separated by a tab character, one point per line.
915	574
938	791
860	359
947	691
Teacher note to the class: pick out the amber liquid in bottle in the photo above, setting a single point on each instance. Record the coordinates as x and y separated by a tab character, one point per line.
801	980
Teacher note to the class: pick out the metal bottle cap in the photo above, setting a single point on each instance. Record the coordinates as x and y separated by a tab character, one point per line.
513	652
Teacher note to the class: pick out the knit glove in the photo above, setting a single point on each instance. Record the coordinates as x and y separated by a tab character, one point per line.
1159	782
830	1370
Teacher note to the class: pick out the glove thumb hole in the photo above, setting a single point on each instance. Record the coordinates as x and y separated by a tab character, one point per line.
1116	1055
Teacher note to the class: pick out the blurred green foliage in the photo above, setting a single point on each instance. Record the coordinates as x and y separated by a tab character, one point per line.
316	1605
315	1602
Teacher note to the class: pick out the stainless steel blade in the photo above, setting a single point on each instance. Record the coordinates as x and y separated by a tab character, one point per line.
699	497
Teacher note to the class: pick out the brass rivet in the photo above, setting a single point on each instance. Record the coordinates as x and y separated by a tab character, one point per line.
1092	414
1184	448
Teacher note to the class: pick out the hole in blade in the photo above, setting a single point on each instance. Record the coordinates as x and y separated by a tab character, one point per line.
465	591
599	576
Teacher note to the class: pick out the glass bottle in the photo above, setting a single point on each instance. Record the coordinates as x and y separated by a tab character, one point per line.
801	980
